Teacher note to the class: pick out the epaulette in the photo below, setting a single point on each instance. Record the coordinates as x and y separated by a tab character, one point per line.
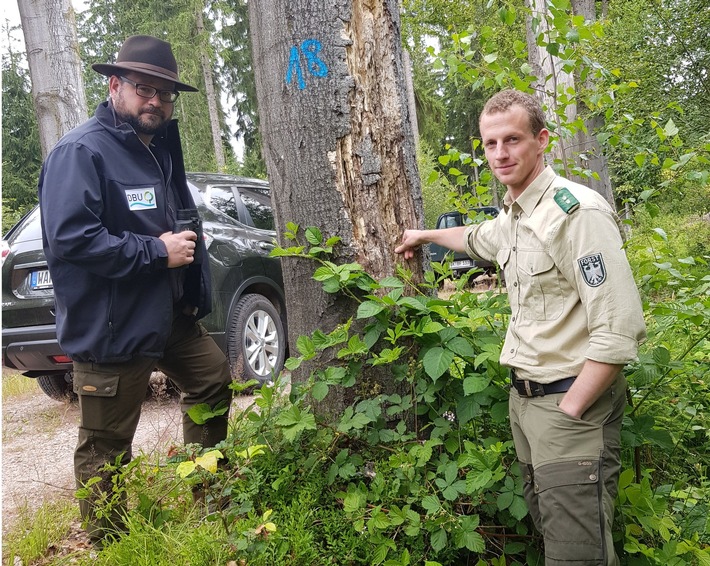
566	201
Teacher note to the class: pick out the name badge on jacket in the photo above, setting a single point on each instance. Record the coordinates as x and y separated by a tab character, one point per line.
141	199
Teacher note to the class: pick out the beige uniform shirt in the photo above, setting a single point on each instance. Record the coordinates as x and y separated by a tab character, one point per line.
571	291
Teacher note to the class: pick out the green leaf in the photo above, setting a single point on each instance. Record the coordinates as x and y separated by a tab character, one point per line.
412	303
354	501
294	421
305	346
476	481
507	16
437	362
518	508
505	500
314	236
670	129
438	540
572	36
369	309
202	412
475	383
320	391
466	535
461	346
432	327
323	274
662	233
431	504
394	282
499	412
379	520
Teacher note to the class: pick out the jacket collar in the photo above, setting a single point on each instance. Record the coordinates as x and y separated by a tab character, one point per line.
106	116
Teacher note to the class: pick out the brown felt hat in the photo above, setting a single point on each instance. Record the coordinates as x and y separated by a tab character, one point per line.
147	55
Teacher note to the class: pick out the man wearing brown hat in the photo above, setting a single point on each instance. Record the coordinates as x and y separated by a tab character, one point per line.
129	291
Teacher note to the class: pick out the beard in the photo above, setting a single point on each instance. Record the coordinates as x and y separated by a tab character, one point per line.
144	125
148	120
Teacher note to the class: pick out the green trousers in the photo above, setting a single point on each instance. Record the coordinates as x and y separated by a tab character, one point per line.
571	472
110	400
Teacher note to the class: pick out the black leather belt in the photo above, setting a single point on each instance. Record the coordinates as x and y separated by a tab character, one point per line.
534	389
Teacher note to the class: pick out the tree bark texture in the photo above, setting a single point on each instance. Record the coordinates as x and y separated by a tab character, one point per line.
582	148
337	137
49	28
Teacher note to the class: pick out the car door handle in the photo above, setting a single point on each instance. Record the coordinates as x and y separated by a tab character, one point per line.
268	246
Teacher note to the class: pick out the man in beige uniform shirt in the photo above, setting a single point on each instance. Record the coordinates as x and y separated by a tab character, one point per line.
576	320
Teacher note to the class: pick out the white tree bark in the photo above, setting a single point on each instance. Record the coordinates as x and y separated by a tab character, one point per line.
49	28
211	95
582	148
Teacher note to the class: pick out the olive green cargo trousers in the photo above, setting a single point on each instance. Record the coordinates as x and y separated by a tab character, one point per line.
110	399
571	471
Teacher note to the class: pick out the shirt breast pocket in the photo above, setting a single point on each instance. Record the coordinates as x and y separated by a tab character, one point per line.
542	292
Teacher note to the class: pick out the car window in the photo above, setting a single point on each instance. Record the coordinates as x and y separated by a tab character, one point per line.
222	198
452	221
258	203
27	229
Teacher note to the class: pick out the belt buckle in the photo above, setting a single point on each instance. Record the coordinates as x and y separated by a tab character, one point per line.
528	391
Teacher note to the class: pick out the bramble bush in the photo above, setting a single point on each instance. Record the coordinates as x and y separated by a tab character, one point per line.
429	477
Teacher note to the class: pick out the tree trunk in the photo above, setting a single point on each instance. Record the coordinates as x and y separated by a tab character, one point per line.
49	27
338	144
594	158
211	94
581	148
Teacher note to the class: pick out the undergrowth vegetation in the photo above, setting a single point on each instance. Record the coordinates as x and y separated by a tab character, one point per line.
428	476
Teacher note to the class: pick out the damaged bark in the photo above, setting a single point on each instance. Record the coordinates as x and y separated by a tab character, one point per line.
338	140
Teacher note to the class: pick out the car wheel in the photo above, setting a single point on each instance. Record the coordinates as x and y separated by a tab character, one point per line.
57	386
256	341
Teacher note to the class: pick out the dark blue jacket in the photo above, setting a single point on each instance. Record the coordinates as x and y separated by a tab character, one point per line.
103	202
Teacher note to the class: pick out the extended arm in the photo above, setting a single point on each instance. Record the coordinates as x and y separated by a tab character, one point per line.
452	238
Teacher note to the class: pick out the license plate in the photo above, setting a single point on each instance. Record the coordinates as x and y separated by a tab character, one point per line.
40	280
461	263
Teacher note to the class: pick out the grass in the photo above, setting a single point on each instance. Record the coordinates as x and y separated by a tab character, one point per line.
14	384
35	531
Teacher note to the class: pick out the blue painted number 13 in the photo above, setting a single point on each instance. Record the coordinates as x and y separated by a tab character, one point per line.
315	65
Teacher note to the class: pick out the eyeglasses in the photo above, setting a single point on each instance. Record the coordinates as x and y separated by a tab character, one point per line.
147	91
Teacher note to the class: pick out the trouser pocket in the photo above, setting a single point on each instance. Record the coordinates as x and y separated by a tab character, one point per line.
96	388
568	496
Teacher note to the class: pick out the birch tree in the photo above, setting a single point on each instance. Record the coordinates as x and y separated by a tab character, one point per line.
211	93
49	29
557	88
337	141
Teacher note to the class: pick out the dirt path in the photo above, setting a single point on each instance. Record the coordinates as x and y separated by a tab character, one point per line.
38	439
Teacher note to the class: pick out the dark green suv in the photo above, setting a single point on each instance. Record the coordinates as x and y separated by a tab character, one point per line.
459	262
248	318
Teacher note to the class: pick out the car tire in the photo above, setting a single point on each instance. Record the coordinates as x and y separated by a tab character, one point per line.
57	386
256	341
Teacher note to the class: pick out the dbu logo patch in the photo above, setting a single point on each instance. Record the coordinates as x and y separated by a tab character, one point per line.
141	199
